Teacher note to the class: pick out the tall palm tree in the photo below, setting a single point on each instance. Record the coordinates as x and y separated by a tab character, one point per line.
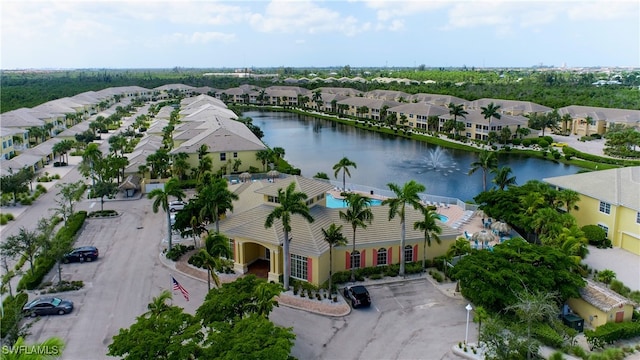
502	177
263	156
215	199
344	164
291	202
358	214
490	111
210	263
486	162
407	194
161	200
90	158
333	236
455	111
429	225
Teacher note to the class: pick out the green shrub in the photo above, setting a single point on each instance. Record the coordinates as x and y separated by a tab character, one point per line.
543	144
526	142
516	142
9	216
26	201
177	251
556	155
548	139
594	234
437	276
376	276
606	276
341	277
618	286
3	220
548	335
611	332
12	308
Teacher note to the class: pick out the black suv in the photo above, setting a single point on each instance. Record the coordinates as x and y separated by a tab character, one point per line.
81	254
358	295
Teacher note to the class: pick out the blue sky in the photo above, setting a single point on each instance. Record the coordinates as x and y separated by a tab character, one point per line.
359	33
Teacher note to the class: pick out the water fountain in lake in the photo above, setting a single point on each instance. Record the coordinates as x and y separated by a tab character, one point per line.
439	160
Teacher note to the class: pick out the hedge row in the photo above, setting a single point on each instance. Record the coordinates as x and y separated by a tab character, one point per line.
12	307
378	272
44	263
611	332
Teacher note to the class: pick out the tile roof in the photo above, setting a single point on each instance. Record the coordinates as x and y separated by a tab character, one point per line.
247	221
619	186
603	298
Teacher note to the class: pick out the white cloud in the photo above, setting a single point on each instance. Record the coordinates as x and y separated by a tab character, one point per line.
393	9
305	17
202	37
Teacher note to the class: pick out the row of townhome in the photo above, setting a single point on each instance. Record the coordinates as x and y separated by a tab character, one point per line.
585	120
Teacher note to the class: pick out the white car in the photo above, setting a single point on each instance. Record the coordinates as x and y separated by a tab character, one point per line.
176	205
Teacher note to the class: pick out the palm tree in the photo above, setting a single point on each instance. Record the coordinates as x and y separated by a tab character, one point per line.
158	304
358	214
455	111
486	162
343	165
408	194
567	119
490	111
210	263
502	177
430	228
216	199
291	202
534	307
90	158
161	200
263	156
333	236
264	298
180	164
568	198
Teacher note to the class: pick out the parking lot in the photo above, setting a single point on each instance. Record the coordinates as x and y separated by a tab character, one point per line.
409	320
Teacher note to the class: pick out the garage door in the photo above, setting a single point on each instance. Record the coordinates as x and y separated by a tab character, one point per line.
630	243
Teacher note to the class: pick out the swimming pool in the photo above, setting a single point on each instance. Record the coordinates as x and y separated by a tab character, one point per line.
334	203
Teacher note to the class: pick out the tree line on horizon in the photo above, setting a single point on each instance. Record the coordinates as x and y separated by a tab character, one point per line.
552	89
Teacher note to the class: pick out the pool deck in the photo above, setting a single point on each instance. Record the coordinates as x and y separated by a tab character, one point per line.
453	212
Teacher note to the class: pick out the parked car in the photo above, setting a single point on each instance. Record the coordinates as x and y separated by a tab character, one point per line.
81	254
358	295
176	205
47	306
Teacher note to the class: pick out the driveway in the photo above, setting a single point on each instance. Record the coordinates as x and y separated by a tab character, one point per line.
409	320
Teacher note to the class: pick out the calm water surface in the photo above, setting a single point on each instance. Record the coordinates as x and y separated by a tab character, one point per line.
315	145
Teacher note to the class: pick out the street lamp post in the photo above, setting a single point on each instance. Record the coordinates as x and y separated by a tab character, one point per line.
466	334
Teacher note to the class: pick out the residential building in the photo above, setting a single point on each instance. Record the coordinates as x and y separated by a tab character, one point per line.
9	147
589	120
609	199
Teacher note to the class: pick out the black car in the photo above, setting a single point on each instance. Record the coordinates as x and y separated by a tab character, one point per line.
81	254
47	306
358	295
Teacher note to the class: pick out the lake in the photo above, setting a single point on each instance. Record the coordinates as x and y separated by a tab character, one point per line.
315	145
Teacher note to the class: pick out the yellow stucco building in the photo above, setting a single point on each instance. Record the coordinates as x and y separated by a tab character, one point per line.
378	244
609	199
599	305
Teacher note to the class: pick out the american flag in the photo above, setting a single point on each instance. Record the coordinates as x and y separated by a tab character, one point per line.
177	286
